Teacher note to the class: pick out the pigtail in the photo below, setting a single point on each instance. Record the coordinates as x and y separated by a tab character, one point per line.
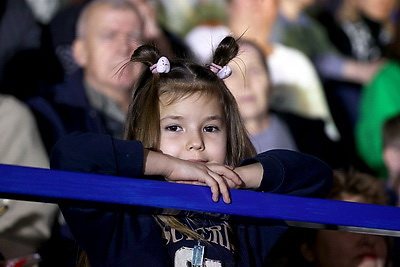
239	145
226	51
141	126
146	54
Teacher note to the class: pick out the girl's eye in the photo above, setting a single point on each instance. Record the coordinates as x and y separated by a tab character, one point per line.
211	129
173	128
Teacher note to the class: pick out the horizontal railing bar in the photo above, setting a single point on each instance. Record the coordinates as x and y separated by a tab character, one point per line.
59	186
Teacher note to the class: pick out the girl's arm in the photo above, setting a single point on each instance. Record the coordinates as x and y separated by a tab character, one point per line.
98	153
182	171
102	154
286	172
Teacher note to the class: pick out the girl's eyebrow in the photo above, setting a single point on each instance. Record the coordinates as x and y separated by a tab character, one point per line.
172	117
214	117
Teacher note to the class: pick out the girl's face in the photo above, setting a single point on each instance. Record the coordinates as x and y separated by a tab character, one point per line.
249	83
194	129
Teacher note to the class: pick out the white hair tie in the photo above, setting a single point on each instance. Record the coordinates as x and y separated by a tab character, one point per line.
222	72
162	66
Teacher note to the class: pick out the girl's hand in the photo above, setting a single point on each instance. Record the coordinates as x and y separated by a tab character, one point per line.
217	177
230	178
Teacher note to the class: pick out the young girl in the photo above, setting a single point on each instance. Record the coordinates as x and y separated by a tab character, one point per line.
188	130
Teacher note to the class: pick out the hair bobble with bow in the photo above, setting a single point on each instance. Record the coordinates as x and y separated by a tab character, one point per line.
222	72
162	66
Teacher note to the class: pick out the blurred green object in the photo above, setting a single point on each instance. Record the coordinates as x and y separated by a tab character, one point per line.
180	16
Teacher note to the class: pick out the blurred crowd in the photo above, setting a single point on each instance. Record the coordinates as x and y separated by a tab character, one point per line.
315	76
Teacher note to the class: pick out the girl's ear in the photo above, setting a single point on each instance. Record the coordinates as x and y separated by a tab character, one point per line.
307	252
79	52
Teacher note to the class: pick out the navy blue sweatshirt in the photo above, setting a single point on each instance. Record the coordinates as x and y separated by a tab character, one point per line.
127	238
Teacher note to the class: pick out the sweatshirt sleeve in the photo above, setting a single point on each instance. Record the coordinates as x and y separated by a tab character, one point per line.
293	173
106	233
98	153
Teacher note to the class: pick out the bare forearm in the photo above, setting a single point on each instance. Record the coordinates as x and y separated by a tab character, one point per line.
156	163
251	175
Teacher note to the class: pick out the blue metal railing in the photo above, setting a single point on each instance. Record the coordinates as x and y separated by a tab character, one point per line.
59	186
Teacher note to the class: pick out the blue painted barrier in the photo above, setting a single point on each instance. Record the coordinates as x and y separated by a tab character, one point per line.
57	186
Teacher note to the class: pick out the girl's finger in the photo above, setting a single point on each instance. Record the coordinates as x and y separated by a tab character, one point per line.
190	182
229	167
227	173
214	188
222	187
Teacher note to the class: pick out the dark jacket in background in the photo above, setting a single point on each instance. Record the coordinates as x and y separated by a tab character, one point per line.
65	109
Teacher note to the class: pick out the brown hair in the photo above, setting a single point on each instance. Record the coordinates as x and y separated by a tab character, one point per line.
185	79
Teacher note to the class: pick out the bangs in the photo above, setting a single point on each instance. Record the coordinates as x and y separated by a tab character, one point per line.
178	91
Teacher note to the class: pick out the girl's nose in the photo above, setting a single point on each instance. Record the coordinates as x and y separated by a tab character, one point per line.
195	142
